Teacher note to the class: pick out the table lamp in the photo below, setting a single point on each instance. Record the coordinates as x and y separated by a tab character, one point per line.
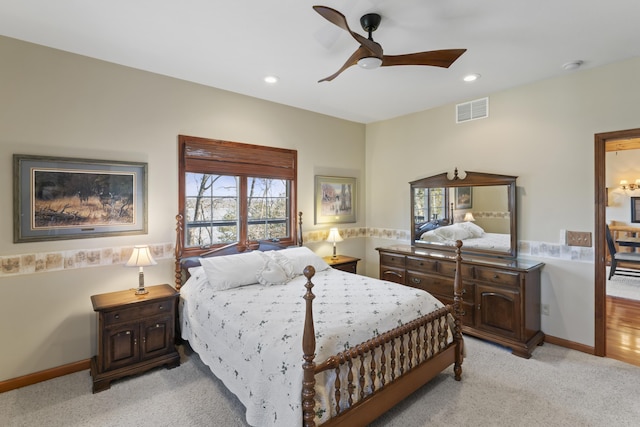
334	236
141	257
469	217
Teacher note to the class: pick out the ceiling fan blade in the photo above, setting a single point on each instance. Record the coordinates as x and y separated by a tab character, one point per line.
360	53
340	20
436	58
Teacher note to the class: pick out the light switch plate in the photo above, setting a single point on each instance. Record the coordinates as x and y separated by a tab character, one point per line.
579	238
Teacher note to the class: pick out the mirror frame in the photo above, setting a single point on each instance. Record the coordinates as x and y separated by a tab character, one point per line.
471	179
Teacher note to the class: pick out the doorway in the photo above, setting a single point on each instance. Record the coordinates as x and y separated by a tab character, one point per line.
604	305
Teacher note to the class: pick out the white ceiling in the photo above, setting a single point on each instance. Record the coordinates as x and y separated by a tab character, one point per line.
233	44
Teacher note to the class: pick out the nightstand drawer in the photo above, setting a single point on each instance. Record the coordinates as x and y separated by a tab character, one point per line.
138	312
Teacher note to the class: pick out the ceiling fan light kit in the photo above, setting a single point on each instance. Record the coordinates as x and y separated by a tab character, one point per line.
370	62
370	54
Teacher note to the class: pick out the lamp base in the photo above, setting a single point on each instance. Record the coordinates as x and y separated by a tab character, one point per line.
141	291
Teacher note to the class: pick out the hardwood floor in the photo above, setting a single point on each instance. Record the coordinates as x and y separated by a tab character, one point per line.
623	330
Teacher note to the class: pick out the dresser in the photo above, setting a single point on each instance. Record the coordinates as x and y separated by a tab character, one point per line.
501	297
135	333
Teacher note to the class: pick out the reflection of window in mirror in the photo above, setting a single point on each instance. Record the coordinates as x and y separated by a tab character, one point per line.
429	204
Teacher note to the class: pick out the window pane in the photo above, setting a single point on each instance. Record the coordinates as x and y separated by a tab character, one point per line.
268	208
211	209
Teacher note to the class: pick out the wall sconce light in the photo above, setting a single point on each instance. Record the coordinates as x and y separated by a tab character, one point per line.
334	236
624	184
469	217
141	257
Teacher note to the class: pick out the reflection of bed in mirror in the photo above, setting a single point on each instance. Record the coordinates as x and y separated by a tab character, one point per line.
485	220
471	235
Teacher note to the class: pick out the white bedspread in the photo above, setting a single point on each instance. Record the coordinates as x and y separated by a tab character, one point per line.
251	337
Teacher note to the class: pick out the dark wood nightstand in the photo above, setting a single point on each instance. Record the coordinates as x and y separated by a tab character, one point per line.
343	262
135	333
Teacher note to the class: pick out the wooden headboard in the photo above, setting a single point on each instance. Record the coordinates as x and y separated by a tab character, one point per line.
182	263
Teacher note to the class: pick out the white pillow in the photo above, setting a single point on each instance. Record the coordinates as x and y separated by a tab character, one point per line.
301	257
272	273
475	230
282	261
453	232
232	271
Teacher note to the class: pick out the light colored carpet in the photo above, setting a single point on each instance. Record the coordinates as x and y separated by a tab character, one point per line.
556	387
623	286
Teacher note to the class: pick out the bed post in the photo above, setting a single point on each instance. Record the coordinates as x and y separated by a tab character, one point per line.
299	228
457	307
178	251
308	350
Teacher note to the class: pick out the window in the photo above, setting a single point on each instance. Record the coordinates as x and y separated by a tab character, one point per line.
232	192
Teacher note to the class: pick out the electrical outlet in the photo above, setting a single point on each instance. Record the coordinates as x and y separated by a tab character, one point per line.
579	238
545	309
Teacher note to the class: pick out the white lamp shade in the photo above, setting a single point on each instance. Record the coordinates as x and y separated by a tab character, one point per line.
469	217
334	236
141	257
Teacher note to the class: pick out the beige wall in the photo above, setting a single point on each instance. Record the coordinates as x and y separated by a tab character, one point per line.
59	104
544	134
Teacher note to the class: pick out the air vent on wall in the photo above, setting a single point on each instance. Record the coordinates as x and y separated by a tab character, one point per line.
472	110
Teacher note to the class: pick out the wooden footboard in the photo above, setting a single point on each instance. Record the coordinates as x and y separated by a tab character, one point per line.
372	377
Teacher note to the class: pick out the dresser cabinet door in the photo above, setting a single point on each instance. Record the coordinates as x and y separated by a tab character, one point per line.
498	310
121	345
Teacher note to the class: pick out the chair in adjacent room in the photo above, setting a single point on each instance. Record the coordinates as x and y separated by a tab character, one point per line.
617	257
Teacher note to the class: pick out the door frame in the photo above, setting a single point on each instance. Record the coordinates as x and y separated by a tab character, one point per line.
599	233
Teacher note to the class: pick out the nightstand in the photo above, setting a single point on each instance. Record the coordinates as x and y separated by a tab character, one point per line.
343	262
135	333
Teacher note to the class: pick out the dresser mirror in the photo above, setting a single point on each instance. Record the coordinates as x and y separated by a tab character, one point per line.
477	208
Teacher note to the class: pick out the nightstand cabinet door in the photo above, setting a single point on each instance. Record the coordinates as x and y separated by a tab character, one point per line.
120	343
157	337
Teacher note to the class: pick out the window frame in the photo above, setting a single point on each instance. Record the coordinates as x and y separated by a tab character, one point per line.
212	156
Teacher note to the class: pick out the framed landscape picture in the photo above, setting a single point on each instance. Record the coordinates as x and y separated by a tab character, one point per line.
335	200
66	198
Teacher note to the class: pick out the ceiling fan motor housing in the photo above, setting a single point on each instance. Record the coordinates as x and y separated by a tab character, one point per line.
370	22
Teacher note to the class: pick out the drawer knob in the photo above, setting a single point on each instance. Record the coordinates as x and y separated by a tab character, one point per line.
464	291
495	276
160	307
117	316
463	313
415	280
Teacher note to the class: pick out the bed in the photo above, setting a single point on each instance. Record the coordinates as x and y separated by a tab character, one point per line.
372	343
470	234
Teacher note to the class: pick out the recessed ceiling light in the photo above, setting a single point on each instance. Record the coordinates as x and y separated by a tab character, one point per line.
271	80
573	65
471	77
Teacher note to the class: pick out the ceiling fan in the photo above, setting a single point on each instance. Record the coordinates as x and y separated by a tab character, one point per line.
369	55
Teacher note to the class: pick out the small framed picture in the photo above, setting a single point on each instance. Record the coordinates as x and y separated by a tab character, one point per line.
464	198
335	199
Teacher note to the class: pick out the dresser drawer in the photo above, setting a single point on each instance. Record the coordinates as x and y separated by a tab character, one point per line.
138	312
422	265
437	286
392	260
449	269
499	277
395	275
